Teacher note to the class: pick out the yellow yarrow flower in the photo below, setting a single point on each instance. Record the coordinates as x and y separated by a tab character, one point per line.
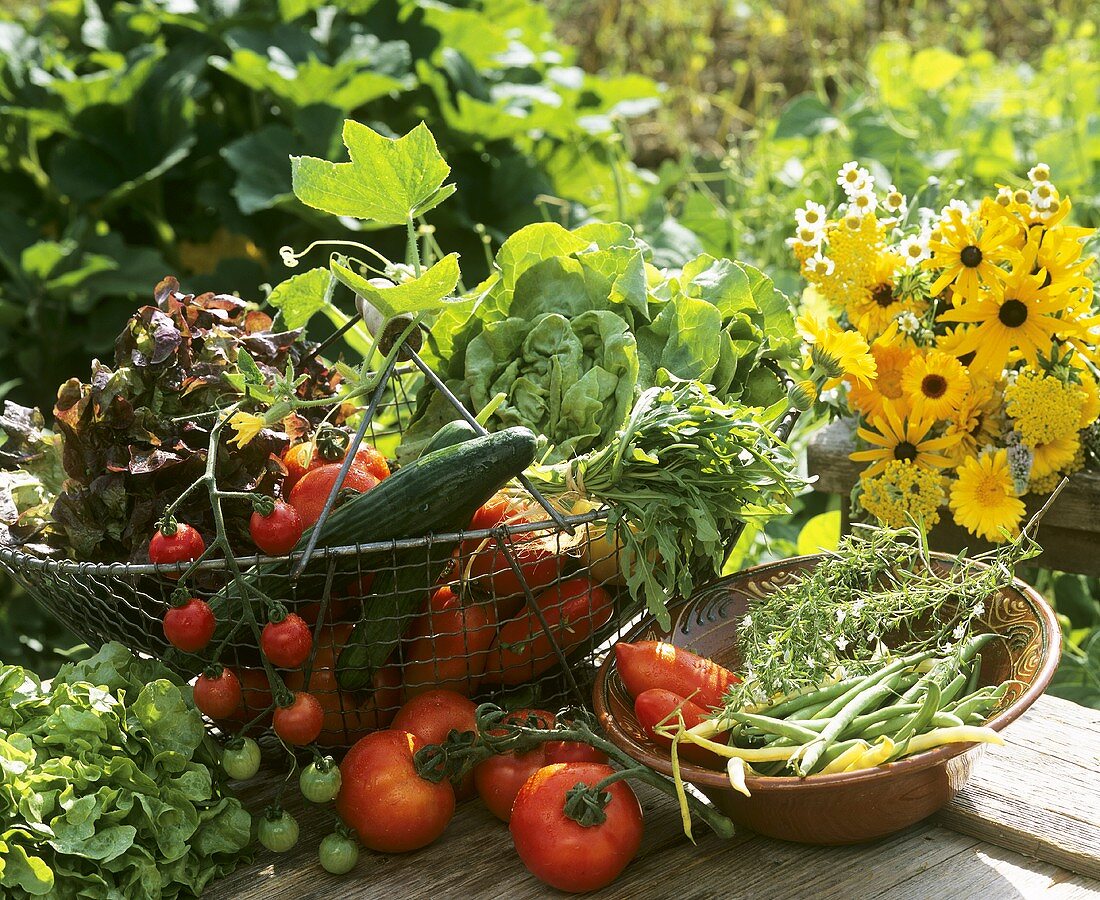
903	492
984	499
1043	407
935	384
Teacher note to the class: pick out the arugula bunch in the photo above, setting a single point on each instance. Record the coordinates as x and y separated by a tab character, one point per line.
111	786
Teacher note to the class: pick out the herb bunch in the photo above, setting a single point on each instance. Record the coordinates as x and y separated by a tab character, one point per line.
677	478
879	582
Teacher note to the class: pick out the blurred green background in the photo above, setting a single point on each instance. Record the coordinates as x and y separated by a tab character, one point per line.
143	138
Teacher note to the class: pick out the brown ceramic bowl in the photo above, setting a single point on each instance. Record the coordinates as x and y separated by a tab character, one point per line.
849	807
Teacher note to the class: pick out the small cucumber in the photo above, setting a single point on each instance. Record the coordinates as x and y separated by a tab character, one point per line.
457	432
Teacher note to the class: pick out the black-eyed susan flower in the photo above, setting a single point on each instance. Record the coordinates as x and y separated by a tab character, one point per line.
904	438
874	306
1043	407
969	257
935	383
983	497
1020	314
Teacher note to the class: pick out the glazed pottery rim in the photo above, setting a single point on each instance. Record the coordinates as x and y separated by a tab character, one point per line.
1050	638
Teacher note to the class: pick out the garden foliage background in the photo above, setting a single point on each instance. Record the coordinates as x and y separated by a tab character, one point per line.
152	136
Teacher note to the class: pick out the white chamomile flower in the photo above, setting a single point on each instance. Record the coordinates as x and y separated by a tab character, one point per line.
812	215
894	201
820	265
955	207
914	249
1021	196
1039	172
849	174
908	323
864	203
1042	195
1004	195
841	642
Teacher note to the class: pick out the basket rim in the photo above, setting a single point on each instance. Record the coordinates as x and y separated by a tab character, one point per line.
20	559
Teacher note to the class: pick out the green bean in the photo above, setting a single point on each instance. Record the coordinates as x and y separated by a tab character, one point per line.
883	714
975	673
779	727
982	700
947	694
807	697
919	721
885	673
807	712
870	698
945	720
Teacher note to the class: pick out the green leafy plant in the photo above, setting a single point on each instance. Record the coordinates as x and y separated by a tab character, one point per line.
111	785
143	139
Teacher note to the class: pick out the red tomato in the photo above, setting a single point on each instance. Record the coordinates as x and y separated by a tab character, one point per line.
189	627
573	751
287	643
382	797
537	556
658	706
218	697
449	644
255	699
300	459
499	778
431	716
277	533
309	494
562	852
655	664
347	716
301	722
573	610
369	460
185	544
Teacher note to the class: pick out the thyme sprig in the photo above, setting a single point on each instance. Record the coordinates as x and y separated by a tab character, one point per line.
878	587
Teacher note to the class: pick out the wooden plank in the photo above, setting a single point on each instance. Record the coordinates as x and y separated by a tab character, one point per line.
1040	794
1068	534
1050	817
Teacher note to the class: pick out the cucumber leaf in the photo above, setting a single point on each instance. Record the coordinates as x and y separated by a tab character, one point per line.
426	292
387	181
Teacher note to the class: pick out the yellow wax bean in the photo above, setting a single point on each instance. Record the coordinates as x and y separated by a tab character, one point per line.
762	754
845	759
959	734
735	768
876	756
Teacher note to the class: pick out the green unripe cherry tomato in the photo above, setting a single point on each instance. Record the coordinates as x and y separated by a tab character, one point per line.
339	853
320	780
278	831
241	759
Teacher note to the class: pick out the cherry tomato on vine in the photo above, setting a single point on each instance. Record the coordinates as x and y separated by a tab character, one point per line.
573	751
385	800
309	495
575	854
277	532
320	780
299	723
241	759
218	696
499	778
189	626
338	853
278	830
175	542
287	642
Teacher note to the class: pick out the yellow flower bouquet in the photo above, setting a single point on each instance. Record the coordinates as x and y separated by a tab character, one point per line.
964	342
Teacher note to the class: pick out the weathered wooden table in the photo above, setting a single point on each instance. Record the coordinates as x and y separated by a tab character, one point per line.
1028	825
1070	531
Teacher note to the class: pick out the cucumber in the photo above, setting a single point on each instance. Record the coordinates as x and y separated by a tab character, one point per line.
457	432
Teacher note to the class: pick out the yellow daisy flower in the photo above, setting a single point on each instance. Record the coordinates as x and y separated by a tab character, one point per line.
875	306
983	498
973	421
1090	409
1044	408
1020	314
1053	456
247	426
905	438
969	257
839	353
935	384
903	493
890	362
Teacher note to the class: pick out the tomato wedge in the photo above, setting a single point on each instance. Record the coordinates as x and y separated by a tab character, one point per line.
655	664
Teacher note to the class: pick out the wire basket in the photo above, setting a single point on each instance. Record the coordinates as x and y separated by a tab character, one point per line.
543	602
